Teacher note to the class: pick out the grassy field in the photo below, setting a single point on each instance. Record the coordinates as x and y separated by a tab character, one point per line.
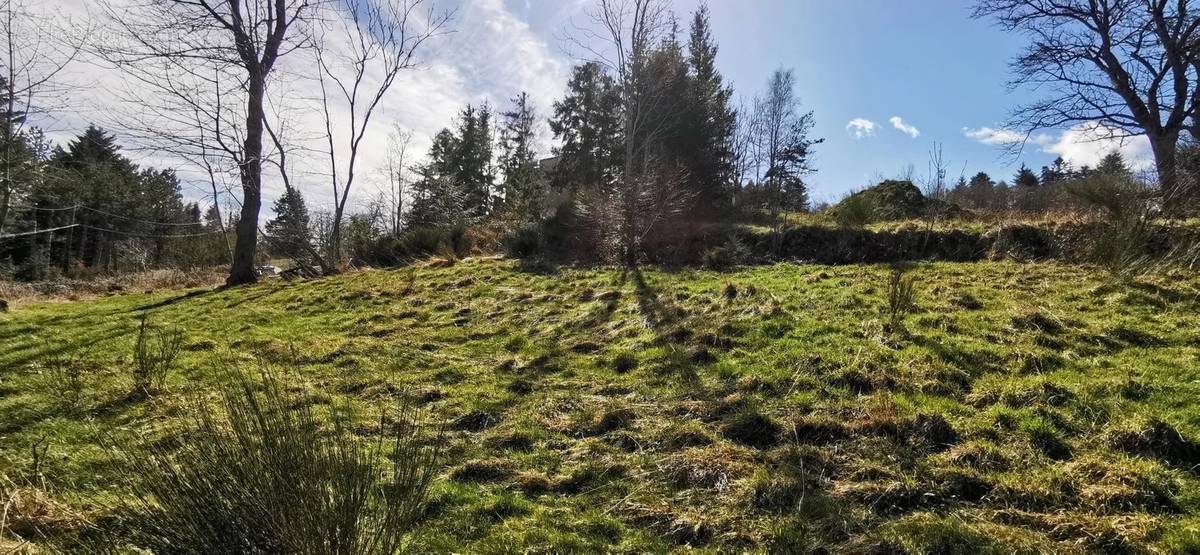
1020	408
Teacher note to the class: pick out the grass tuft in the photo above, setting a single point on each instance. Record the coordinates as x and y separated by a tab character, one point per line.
264	475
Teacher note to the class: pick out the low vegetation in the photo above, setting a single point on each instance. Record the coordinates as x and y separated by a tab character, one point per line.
1028	407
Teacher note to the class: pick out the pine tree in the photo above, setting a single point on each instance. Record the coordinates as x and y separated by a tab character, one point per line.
1113	165
1026	192
1057	171
587	122
666	133
438	200
289	233
524	184
711	119
473	164
92	172
1025	178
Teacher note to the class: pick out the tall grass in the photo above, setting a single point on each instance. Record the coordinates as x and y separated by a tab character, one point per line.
265	475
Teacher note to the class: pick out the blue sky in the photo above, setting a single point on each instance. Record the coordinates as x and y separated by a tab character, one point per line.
924	61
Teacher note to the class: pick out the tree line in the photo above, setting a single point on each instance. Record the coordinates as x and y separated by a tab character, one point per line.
649	139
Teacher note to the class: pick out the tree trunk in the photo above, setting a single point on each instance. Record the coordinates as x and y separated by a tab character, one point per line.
1174	193
335	242
246	245
4	200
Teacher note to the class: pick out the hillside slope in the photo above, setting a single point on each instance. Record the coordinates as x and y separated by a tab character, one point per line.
1027	408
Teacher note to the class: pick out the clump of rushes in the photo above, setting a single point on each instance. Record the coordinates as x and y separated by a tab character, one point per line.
262	474
899	297
154	354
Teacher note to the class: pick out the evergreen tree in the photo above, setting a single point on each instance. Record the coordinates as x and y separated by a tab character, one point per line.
438	200
1113	165
289	232
1026	193
664	134
981	191
587	122
91	172
710	120
1058	171
1025	178
472	162
524	184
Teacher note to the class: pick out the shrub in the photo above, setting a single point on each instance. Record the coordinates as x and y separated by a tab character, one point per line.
154	354
853	212
1121	243
424	241
263	475
523	242
889	200
450	242
726	256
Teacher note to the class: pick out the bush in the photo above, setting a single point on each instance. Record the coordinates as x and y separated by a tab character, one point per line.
154	354
853	212
393	250
265	476
523	242
726	256
889	200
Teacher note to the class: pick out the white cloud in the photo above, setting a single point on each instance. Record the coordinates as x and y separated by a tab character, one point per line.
861	128
999	136
905	128
991	136
1082	145
1085	144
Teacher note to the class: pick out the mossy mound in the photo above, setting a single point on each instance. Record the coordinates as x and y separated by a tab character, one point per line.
890	200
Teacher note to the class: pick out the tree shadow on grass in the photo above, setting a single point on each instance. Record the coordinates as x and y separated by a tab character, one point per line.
173	300
650	305
33	352
1171	296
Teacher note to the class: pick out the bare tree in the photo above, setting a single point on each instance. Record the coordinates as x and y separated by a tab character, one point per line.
227	46
359	54
30	65
935	180
1122	67
623	37
397	177
780	136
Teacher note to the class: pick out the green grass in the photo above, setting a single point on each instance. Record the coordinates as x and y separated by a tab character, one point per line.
591	410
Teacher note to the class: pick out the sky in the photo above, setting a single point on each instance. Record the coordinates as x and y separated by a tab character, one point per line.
886	81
